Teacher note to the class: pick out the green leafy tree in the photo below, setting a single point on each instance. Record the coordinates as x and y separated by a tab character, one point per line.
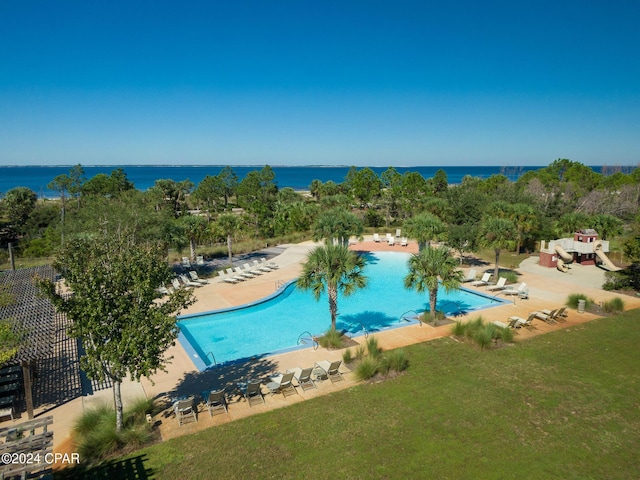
333	268
10	341
607	225
526	220
228	226
462	238
337	224
424	228
124	331
197	229
431	268
497	233
19	202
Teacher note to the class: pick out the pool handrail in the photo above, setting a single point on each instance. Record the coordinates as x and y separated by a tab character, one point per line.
212	357
300	340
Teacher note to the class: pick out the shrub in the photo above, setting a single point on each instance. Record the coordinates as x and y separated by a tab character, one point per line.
347	356
505	334
95	431
367	368
617	281
372	347
483	337
458	329
574	298
397	360
615	305
331	339
360	349
511	276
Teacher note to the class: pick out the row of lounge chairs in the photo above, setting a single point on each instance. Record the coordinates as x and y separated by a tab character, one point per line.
183	281
247	271
404	241
521	291
216	401
548	316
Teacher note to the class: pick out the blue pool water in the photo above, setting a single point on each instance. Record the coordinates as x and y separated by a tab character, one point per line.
275	324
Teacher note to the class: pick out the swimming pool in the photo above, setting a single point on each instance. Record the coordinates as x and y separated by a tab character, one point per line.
275	324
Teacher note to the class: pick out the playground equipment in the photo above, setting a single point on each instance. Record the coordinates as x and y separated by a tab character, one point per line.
584	248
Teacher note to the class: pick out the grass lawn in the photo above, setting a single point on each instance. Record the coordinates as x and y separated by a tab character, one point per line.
564	405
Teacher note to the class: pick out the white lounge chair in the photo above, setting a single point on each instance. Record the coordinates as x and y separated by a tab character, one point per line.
330	370
194	276
498	286
176	284
471	276
398	232
263	268
560	313
230	274
272	265
199	260
521	322
303	377
483	281
189	283
225	278
391	241
549	318
404	242
186	263
253	271
515	291
376	238
242	273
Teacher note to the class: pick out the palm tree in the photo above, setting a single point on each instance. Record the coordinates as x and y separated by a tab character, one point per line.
497	233
525	218
228	225
424	228
336	269
196	230
431	268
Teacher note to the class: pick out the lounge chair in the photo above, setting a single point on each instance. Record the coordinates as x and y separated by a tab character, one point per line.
199	260
330	370
230	274
217	401
521	322
303	377
176	284
559	313
194	276
498	286
546	317
184	409
189	283
391	241
240	272
471	276
253	393
225	278
376	238
253	271
515	291
263	268
500	324
272	265
186	263
163	290
483	281
398	232
282	384
404	242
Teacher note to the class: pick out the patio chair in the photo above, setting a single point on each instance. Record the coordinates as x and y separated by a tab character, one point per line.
559	313
376	238
483	281
176	284
521	322
404	242
515	291
253	271
199	260
225	278
253	393
194	276
398	232
330	370
546	317
184	409
498	286
240	272
471	276
217	401
391	241
189	283
186	263
230	274
282	384
263	268
303	377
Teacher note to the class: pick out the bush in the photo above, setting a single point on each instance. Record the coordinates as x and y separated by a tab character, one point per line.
617	281
574	298
347	356
372	347
505	334
331	339
511	276
397	360
458	329
483	337
95	431
615	305
360	350
367	368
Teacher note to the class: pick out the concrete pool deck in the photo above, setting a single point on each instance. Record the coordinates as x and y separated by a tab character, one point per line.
548	289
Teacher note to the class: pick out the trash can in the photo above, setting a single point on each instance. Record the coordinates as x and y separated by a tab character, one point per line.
580	306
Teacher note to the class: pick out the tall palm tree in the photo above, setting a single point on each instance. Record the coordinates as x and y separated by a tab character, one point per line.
431	268
525	218
333	268
424	228
228	225
497	233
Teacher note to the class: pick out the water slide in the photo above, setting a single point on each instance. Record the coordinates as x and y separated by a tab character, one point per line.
563	257
606	263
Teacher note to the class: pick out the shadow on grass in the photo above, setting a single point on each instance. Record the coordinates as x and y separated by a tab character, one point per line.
123	469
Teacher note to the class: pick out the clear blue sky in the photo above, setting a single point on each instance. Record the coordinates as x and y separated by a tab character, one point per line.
297	82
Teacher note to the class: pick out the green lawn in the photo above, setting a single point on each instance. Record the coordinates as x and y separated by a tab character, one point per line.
564	405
